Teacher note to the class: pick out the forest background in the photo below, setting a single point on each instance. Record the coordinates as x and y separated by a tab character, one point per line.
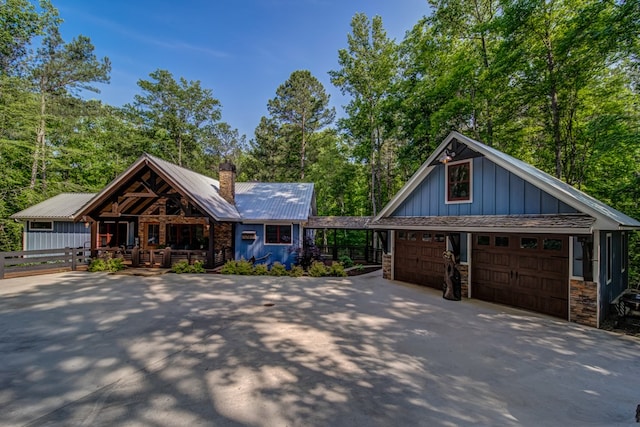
555	83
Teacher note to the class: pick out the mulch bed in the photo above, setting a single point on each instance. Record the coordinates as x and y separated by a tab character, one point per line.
627	327
356	271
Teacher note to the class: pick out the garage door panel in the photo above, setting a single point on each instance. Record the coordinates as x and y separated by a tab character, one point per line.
420	261
531	276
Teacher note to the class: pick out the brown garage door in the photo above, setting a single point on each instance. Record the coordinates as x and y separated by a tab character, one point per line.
418	258
525	271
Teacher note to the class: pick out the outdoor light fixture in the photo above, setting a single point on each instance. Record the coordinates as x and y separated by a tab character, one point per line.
447	156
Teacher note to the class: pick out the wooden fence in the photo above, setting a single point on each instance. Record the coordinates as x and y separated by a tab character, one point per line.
166	257
22	263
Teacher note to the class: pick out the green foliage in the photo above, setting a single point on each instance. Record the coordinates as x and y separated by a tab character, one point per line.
337	270
296	271
345	261
318	269
184	267
261	270
241	267
277	269
106	263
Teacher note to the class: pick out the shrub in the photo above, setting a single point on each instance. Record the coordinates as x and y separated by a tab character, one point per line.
261	270
184	267
296	271
106	263
229	267
337	270
346	261
317	269
278	269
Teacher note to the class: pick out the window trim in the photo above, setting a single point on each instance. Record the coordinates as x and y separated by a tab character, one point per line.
40	229
278	225
624	252
469	199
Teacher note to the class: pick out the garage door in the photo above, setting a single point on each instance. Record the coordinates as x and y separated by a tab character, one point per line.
525	271
418	258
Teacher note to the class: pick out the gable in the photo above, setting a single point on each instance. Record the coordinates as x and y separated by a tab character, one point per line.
151	182
539	190
496	191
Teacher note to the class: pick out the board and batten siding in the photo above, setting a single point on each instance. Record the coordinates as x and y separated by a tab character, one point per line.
284	254
496	191
65	234
609	290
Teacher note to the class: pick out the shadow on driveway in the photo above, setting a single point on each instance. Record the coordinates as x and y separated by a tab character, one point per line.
98	349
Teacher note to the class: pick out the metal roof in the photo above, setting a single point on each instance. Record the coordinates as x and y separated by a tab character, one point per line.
339	222
560	223
607	218
62	206
202	189
263	201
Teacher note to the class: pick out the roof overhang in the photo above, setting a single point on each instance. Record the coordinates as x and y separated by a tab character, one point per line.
539	224
338	222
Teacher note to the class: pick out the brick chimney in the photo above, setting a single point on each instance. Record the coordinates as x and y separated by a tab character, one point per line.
227	178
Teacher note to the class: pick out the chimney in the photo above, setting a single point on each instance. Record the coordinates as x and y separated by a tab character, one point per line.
227	178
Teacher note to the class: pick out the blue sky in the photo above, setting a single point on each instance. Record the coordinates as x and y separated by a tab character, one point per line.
240	49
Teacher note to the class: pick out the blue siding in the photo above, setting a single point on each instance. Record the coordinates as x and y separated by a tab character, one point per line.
496	191
284	254
65	234
619	279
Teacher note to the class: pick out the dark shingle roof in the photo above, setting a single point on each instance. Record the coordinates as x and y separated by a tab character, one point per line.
340	222
577	223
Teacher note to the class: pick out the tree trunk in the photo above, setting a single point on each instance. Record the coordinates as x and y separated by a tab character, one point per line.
39	151
302	149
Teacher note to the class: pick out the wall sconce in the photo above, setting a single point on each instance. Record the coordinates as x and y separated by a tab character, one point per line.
447	156
86	224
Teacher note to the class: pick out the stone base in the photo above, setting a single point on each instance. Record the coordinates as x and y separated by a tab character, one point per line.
583	305
386	266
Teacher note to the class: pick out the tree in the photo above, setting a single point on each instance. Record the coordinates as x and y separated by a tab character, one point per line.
60	69
19	24
368	69
302	104
180	116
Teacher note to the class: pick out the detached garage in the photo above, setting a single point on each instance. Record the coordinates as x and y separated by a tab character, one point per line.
520	236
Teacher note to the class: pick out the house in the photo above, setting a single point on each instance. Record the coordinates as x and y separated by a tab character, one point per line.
155	204
520	236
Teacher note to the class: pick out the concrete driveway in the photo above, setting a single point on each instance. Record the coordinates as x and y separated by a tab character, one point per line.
184	350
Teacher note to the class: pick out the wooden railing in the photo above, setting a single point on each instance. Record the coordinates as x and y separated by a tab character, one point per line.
20	263
166	257
356	253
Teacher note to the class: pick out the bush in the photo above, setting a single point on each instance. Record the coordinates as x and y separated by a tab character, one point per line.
184	267
337	270
296	271
317	269
261	270
106	263
242	267
278	269
346	261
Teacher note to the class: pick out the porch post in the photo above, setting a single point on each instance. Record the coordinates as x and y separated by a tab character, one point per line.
211	256
94	239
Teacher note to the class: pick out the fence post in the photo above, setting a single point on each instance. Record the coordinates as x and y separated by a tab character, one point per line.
166	257
73	259
135	257
2	255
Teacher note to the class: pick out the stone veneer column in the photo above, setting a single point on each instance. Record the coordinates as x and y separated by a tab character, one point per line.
583	305
386	266
464	279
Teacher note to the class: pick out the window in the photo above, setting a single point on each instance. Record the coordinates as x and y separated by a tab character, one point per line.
458	182
186	236
609	255
439	237
624	250
552	244
153	234
402	235
41	225
483	240
411	235
278	234
426	237
502	241
529	243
